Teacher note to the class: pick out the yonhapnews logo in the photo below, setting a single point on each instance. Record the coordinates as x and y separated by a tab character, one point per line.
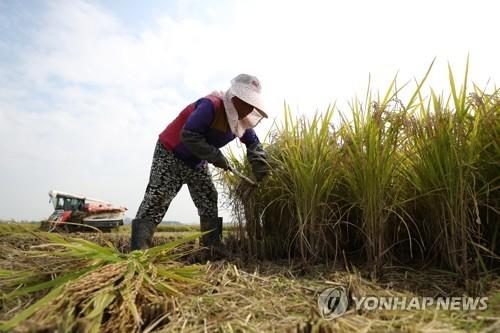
334	302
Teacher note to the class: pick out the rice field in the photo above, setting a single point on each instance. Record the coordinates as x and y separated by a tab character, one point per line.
386	198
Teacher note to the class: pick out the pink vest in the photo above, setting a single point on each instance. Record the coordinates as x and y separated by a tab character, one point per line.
170	137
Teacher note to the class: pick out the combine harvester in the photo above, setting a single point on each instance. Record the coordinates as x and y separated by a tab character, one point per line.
78	213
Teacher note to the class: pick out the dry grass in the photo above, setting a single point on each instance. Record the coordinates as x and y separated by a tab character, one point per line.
271	297
254	296
119	240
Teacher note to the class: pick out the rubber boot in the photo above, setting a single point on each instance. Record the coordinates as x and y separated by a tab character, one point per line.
142	234
213	238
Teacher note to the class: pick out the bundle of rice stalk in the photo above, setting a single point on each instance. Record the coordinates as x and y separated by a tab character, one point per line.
101	290
241	197
289	214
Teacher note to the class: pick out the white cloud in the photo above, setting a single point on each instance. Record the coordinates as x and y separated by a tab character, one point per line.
81	109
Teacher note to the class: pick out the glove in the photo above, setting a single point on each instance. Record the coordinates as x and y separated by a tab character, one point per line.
258	160
221	162
260	171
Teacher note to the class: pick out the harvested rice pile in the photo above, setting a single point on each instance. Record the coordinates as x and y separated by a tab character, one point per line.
70	284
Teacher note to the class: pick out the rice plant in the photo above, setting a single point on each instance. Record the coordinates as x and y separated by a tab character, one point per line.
94	288
487	108
455	171
415	181
371	183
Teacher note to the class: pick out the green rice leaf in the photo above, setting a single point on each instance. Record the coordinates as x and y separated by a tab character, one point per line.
25	314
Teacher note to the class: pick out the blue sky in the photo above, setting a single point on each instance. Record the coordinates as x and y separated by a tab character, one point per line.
86	86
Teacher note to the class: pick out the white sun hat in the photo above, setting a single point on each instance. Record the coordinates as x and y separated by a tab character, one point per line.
247	88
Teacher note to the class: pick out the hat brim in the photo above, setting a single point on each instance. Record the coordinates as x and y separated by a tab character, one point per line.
251	97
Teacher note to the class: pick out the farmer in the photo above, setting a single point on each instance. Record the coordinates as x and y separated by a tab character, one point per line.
185	147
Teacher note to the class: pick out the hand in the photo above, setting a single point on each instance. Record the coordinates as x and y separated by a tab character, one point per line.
260	175
221	162
260	169
258	160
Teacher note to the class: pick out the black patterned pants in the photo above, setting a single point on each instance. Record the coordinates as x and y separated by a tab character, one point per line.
168	174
